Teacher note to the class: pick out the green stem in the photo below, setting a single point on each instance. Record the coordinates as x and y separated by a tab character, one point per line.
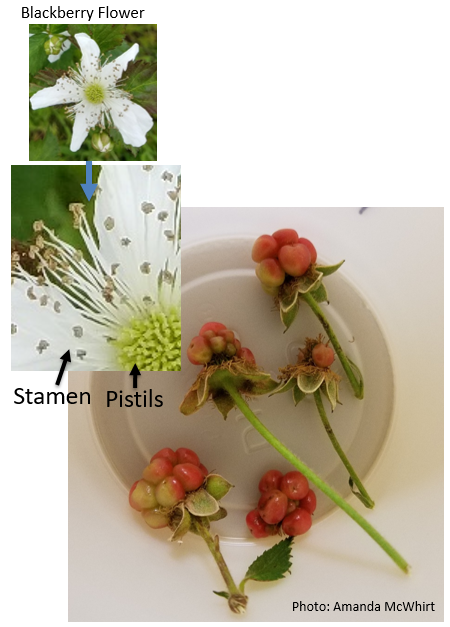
357	386
228	385
236	599
364	496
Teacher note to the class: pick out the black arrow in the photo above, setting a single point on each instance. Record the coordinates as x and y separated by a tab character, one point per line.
65	358
135	372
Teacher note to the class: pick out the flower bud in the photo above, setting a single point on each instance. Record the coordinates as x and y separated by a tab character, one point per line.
53	45
102	142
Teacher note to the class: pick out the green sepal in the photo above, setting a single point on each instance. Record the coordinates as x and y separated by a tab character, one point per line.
273	564
223	401
366	502
327	270
203	391
217	486
307	283
288	301
190	403
288	317
320	294
330	390
258	384
357	373
223	594
222	513
201	503
183	526
309	383
284	386
297	394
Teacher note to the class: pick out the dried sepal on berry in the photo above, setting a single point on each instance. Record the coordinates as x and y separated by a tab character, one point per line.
180	523
248	379
201	503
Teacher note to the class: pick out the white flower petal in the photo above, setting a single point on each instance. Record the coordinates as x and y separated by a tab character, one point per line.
137	223
63	92
90	55
56	327
80	131
113	71
132	121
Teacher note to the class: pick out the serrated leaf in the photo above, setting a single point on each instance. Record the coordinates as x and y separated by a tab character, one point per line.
284	386
183	526
107	36
38	56
225	595
46	149
201	503
327	270
288	317
223	402
357	373
140	81
309	383
190	403
298	395
330	390
273	564
320	294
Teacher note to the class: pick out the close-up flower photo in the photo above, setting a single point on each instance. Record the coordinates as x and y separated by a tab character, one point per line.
102	280
92	92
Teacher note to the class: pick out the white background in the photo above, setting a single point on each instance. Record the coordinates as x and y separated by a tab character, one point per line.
263	104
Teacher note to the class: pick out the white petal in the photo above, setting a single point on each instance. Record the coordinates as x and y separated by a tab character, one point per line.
132	121
135	218
87	116
45	325
113	71
64	91
90	56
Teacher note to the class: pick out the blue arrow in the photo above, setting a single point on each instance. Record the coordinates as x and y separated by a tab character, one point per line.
89	187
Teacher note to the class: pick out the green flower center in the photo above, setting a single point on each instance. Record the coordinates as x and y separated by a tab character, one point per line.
94	93
152	343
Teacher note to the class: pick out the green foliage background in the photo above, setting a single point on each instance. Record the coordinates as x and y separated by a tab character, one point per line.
51	129
44	192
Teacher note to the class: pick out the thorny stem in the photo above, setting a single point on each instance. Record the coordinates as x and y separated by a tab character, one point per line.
357	386
337	447
229	386
236	599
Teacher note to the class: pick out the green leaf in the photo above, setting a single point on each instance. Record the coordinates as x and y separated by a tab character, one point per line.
327	270
330	390
309	383
284	386
298	395
38	56
201	503
273	564
320	294
37	28
107	36
55	29
141	83
288	317
45	149
358	375
225	595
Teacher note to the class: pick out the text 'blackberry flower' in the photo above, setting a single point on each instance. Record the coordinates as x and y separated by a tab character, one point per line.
119	308
98	99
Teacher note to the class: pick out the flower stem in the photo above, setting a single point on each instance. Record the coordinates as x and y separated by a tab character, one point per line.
229	386
236	599
364	496
358	386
